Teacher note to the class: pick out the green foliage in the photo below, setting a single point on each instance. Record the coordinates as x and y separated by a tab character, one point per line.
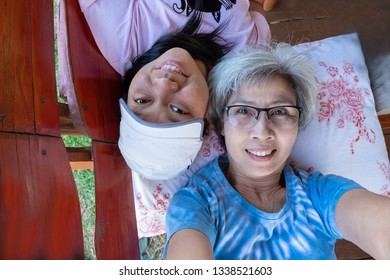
76	141
153	247
86	189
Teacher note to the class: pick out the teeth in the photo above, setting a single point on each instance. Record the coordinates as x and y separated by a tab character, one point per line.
172	68
260	153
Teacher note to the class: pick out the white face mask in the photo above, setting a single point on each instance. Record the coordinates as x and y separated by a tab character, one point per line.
158	151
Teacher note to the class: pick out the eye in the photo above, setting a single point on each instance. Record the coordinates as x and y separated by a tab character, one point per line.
241	110
178	110
279	112
141	101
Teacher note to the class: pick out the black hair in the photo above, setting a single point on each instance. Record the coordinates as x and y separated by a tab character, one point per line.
206	47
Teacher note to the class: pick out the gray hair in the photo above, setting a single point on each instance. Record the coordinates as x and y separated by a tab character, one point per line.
251	65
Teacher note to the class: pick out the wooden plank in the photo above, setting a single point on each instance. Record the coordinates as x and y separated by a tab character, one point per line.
385	122
40	214
79	153
307	20
66	124
94	110
43	68
116	234
97	84
28	91
16	107
80	158
387	141
82	165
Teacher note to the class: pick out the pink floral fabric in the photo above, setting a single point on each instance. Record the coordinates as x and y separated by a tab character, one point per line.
345	138
340	97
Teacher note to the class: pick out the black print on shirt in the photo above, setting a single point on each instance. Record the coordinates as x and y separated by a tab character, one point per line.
209	6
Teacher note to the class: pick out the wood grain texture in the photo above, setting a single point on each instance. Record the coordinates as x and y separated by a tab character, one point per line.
39	208
116	234
28	92
94	102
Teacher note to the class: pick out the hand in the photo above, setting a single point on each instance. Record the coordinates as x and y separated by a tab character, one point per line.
267	4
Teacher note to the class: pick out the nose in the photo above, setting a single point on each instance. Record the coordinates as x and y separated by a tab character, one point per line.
261	128
164	85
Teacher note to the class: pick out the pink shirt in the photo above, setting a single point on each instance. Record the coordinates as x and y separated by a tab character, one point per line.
124	29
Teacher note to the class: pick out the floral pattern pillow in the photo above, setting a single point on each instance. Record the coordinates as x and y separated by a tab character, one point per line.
345	137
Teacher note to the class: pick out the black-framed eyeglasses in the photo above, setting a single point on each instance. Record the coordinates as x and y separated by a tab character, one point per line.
279	116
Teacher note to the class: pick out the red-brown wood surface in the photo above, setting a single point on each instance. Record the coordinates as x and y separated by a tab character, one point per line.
308	20
385	122
16	109
95	107
28	89
39	207
116	228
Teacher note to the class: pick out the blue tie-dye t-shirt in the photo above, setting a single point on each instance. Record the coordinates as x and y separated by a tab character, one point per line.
305	228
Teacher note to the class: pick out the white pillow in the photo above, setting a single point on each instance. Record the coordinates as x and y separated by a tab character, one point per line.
345	136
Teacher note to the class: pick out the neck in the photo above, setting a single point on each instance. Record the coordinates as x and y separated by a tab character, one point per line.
267	193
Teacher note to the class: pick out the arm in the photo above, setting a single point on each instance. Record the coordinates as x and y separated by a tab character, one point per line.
190	226
363	217
189	244
112	26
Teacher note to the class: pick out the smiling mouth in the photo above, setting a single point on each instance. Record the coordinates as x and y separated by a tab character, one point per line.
173	69
260	153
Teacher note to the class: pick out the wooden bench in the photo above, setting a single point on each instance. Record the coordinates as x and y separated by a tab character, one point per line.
39	208
40	215
93	100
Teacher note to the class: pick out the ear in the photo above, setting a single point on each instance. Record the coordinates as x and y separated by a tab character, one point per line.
223	126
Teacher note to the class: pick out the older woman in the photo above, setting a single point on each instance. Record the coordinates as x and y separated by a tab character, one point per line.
249	204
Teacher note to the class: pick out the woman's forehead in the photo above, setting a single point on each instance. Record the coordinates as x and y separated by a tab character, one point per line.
271	90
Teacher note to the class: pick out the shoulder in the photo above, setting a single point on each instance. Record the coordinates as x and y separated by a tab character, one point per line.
204	183
211	175
318	185
206	178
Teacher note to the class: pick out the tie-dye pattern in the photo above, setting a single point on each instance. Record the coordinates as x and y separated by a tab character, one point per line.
305	228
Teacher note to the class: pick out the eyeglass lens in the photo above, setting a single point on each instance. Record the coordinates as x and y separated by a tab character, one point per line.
243	115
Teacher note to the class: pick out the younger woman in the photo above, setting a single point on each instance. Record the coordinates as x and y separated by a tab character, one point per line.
165	49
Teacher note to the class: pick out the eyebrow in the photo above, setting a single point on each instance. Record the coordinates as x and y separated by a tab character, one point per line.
278	102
